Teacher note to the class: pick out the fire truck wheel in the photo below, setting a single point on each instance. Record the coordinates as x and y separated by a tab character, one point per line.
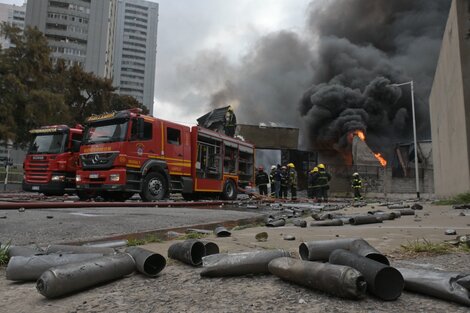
154	188
85	195
230	190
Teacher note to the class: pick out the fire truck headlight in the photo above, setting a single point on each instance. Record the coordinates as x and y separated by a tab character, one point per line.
57	178
78	178
114	177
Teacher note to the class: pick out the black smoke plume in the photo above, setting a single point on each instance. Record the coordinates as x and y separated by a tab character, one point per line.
364	47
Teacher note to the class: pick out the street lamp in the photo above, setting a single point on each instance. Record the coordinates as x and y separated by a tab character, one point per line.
414	131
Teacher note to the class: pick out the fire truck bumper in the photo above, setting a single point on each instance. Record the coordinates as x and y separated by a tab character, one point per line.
53	188
114	180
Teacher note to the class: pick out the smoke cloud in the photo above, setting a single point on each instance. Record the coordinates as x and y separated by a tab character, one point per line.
363	48
336	74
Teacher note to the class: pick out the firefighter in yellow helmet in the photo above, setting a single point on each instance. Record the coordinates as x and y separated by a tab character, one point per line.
312	183
292	174
230	122
356	185
323	183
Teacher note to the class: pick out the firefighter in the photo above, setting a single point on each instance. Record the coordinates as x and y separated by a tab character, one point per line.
230	122
275	179
356	185
292	180
323	183
313	183
284	182
261	181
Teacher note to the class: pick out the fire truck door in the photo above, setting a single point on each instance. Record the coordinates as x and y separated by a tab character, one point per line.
175	144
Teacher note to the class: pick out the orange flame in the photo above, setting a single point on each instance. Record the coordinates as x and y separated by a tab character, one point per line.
382	161
362	136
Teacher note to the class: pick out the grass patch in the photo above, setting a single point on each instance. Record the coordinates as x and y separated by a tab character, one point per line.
192	236
458	199
142	241
4	254
426	247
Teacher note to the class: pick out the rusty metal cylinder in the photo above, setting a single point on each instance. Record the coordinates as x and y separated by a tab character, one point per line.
107	244
341	281
276	223
450	286
385	216
210	247
221	231
363	248
69	278
364	219
29	268
188	251
147	262
78	249
383	281
335	222
300	223
23	251
319	250
237	264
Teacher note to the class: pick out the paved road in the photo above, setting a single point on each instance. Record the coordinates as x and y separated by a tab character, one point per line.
44	226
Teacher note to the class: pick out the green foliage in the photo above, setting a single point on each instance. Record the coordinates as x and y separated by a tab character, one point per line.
142	241
36	92
459	199
425	246
4	254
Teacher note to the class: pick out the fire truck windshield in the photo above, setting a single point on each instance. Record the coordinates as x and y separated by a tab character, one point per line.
48	143
109	131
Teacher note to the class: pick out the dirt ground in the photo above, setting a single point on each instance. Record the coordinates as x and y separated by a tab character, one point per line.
179	287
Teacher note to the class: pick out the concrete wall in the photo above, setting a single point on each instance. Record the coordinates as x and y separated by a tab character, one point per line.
450	106
264	137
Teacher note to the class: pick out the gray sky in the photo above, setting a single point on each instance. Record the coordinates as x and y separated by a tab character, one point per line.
225	30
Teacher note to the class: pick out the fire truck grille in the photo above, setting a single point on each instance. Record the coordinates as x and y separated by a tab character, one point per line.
37	171
95	161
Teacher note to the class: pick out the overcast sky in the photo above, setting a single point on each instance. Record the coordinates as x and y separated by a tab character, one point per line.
187	28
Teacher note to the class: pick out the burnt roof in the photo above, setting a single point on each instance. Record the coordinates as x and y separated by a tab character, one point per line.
213	117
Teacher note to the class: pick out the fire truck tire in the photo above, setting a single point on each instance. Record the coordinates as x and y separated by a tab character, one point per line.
85	195
155	187
230	190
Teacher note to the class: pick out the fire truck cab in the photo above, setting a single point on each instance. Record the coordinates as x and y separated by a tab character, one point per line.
52	160
124	152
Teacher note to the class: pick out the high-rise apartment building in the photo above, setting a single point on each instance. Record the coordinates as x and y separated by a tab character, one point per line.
112	38
14	15
78	31
135	49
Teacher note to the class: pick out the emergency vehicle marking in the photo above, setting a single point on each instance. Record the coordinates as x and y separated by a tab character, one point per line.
97	149
44	130
100	117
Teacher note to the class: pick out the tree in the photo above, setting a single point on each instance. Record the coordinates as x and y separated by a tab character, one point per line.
36	92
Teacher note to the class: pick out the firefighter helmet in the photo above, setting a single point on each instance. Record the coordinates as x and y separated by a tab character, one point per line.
230	108
315	169
356	174
321	166
283	167
273	167
291	165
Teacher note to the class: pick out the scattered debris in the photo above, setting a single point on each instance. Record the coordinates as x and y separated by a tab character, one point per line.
289	237
416	206
461	206
263	236
147	262
189	251
21	210
451	232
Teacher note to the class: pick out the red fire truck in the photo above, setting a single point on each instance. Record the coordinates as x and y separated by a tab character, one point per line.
52	159
124	152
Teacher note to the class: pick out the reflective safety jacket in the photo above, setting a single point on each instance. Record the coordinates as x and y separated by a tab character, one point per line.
356	183
323	178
